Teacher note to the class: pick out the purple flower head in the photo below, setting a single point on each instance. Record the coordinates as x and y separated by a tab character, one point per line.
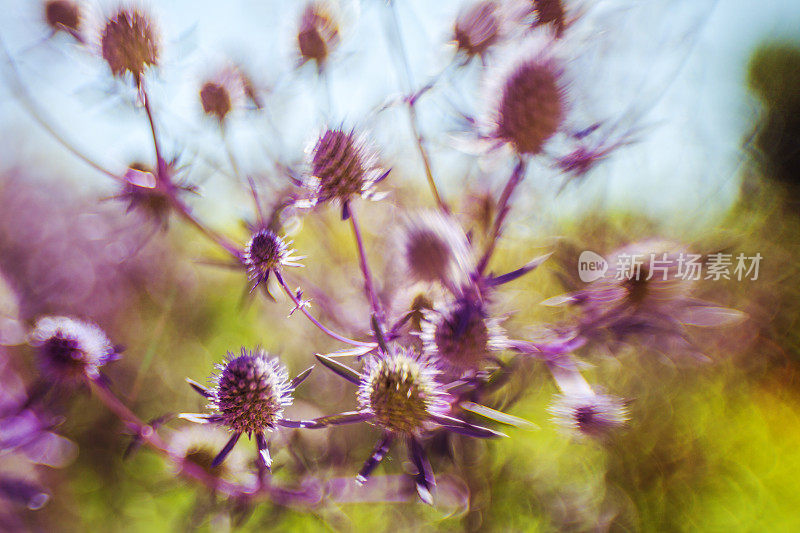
402	392
251	391
592	414
477	29
249	394
341	166
550	12
267	252
532	105
151	197
435	249
318	34
70	349
460	337
129	43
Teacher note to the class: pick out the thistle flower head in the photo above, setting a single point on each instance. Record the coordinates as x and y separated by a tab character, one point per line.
477	28
251	391
63	15
435	248
459	336
532	105
342	166
591	414
70	349
401	391
267	252
318	34
129	43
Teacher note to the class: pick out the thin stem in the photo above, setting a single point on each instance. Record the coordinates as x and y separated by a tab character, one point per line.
411	101
160	163
369	287
39	117
503	207
316	322
186	467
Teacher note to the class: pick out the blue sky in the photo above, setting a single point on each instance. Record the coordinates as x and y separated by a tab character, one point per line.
680	62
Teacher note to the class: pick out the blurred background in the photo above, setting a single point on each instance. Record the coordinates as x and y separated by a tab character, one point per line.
708	93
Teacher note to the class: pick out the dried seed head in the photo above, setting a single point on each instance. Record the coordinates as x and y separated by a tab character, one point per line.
532	106
460	337
129	43
435	248
63	15
70	349
593	415
342	166
402	391
477	28
251	391
225	91
318	34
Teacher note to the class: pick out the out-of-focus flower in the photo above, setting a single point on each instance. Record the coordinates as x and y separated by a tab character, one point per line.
460	337
70	349
201	444
318	34
150	196
436	249
532	105
477	28
26	440
400	393
341	166
593	415
267	252
63	15
224	92
552	13
248	396
129	43
647	290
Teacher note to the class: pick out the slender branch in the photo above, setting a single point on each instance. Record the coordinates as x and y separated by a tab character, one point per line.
186	467
503	207
299	305
369	287
405	66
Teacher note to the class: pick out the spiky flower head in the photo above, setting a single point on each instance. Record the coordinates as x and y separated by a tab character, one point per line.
70	349
318	34
251	390
63	15
342	165
460	337
589	414
129	43
267	252
401	391
436	249
532	105
477	29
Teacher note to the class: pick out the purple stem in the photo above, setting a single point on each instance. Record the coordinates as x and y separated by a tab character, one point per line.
313	320
369	288
503	207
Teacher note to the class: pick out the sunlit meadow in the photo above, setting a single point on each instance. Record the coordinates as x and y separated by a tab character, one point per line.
396	265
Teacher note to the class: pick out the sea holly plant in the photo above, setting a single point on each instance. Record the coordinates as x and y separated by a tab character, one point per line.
419	372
